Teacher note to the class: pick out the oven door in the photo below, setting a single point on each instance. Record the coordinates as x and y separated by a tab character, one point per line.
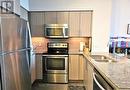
55	63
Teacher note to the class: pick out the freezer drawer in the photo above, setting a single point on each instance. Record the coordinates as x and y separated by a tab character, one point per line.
16	71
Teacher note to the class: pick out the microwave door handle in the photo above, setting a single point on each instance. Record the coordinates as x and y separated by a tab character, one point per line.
64	32
99	85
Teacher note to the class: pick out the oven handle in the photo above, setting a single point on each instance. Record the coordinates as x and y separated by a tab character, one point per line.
99	85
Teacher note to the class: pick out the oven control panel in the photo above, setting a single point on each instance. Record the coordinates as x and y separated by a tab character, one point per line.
57	45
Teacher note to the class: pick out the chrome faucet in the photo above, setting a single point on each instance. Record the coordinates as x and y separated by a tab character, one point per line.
114	48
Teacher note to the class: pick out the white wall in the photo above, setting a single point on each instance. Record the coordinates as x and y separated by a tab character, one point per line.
120	17
25	4
101	16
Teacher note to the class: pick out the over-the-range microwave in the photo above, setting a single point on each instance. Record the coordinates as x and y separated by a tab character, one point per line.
56	30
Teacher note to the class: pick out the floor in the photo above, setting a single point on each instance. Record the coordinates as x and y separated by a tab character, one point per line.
69	86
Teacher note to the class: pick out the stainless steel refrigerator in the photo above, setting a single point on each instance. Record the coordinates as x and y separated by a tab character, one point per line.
15	52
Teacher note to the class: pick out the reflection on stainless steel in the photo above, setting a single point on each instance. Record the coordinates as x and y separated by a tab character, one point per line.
55	65
56	78
55	69
14	50
99	83
56	30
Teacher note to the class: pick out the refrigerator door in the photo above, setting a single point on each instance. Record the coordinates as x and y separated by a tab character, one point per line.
0	39
23	69
0	73
9	72
9	28
16	71
23	34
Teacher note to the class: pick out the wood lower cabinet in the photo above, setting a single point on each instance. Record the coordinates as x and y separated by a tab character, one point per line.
36	67
76	66
89	76
39	67
73	67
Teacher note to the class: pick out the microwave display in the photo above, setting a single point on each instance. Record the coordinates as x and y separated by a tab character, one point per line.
56	30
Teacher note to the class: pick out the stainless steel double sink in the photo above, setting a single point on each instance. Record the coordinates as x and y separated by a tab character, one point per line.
101	58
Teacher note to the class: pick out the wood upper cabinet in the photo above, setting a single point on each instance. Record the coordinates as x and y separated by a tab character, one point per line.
50	18
76	67
80	23
62	17
74	23
36	23
56	17
85	23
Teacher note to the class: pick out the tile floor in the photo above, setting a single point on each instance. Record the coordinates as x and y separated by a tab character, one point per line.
69	86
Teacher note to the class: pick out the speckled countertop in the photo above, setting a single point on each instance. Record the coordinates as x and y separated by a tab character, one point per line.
116	73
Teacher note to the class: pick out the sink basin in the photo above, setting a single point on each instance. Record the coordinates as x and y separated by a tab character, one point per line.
101	58
104	60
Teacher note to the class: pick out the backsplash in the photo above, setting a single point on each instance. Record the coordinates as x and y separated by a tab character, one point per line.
74	44
40	43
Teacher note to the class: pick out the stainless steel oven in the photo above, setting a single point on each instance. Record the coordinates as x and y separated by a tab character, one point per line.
55	63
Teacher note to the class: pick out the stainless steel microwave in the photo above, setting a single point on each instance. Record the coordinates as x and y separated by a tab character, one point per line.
56	30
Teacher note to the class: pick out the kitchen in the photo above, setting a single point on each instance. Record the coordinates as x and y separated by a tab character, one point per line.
99	10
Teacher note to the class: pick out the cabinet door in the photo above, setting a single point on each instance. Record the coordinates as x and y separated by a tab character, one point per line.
90	76
50	18
36	23
15	71
81	68
33	66
62	17
74	23
39	67
85	23
73	67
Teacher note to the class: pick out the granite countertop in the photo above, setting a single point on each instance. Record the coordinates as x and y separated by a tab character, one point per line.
116	73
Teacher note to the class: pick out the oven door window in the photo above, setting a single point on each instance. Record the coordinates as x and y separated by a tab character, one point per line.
55	64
